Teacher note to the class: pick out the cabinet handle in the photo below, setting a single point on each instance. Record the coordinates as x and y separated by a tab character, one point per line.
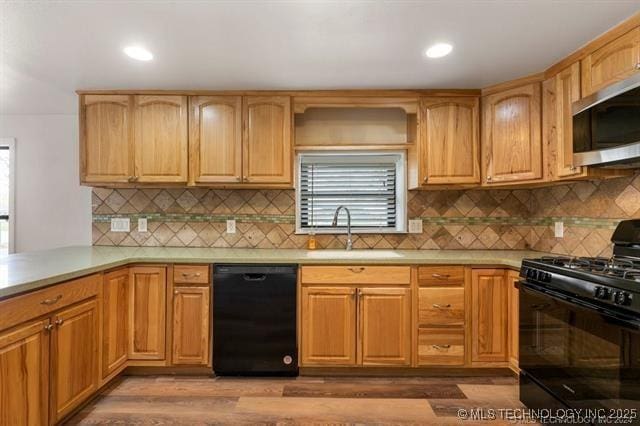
441	346
357	270
48	327
441	276
638	66
133	178
488	178
438	306
59	322
51	301
244	178
194	275
426	179
176	292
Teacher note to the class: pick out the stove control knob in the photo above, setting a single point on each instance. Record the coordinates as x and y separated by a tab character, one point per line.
622	298
602	292
547	277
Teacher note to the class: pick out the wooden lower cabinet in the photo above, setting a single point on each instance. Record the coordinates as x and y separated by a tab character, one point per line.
441	346
24	374
328	326
384	321
489	315
74	358
514	318
115	321
147	312
191	325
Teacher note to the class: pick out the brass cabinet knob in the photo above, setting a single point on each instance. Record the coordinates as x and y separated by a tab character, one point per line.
48	327
59	322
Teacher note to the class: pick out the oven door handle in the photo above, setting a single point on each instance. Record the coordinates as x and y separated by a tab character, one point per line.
609	315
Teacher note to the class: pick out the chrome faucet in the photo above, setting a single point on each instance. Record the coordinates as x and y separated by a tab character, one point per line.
335	223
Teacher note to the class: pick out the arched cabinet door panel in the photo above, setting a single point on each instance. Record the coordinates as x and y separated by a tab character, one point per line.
267	139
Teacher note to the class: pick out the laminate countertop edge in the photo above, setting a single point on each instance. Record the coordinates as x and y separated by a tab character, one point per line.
26	272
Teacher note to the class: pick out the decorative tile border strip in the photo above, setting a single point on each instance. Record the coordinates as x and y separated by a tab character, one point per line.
436	220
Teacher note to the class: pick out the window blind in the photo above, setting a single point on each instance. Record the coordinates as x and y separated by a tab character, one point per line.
366	184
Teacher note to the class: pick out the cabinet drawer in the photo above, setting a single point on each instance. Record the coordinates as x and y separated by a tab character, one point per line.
32	305
441	306
191	274
441	346
356	274
441	275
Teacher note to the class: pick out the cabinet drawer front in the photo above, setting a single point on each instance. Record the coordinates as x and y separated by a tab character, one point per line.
32	305
441	306
191	274
441	275
356	274
441	346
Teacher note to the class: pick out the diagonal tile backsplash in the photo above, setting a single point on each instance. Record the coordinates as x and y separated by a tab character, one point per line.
452	219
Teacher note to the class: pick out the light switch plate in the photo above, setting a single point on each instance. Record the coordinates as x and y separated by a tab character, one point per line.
120	224
415	226
559	229
231	226
142	224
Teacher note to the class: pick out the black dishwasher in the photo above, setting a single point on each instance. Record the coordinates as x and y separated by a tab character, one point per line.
254	320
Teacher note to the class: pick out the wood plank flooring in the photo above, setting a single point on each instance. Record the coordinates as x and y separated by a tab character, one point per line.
183	400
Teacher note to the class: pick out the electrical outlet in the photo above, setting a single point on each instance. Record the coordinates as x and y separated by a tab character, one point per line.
415	226
559	229
142	224
231	226
120	224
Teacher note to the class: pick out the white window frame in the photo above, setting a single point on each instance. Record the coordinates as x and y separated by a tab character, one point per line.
401	193
11	144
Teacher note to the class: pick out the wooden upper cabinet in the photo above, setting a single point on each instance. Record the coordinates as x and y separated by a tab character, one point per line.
215	139
384	326
328	326
267	140
489	315
511	142
567	91
612	62
74	358
449	139
161	139
115	320
105	139
24	373
147	307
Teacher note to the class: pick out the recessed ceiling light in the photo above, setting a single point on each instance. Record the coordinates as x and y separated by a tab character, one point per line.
138	53
439	50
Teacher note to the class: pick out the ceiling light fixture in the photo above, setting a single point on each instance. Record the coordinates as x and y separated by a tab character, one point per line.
138	53
439	50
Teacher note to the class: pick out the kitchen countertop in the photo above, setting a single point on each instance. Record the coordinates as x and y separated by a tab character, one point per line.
30	271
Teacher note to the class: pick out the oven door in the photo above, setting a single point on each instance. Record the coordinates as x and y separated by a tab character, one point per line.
584	355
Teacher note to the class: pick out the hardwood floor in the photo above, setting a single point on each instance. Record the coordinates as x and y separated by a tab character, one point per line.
182	400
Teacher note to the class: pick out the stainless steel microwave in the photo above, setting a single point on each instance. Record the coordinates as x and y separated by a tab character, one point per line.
606	126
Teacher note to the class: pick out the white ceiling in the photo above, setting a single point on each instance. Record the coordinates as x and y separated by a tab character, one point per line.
50	49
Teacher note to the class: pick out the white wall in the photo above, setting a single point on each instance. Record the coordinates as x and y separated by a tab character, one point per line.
51	208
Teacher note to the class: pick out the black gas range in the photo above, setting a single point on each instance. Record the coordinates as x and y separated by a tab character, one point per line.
579	332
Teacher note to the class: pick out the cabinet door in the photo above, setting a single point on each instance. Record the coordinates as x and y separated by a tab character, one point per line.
147	313
191	325
267	139
24	374
613	62
328	326
567	91
489	313
74	358
215	141
384	326
106	146
160	136
115	320
514	317
450	141
512	147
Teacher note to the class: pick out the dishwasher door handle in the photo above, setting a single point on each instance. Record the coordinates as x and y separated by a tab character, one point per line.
254	277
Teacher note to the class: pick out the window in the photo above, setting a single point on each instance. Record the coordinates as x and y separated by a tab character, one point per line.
371	185
7	161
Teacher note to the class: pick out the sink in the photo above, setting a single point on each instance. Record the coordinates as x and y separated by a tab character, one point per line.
353	254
